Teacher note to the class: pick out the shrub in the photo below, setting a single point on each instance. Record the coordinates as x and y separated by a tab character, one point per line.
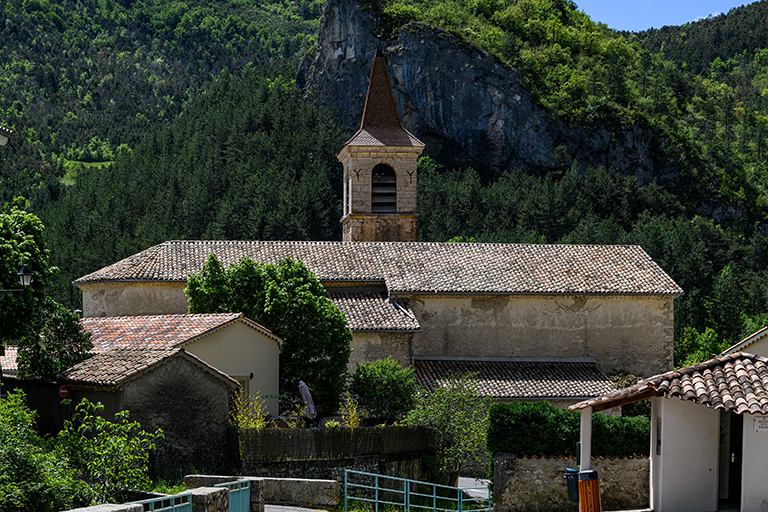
384	390
540	428
32	476
111	456
247	412
457	416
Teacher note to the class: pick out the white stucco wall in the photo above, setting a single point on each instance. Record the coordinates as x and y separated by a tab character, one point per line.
754	469
684	477
624	333
759	347
239	350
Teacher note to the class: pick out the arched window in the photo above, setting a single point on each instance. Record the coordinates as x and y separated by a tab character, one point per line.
383	190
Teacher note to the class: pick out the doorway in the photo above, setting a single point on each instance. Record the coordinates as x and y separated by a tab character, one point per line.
729	470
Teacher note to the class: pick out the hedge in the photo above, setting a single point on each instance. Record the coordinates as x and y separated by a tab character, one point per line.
539	428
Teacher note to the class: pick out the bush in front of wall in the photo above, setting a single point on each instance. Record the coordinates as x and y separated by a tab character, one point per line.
540	428
384	390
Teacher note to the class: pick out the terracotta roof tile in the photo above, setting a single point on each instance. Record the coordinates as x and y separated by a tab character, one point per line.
420	267
520	378
9	360
374	312
160	332
733	382
114	368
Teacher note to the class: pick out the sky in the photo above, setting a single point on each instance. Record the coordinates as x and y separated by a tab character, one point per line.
637	15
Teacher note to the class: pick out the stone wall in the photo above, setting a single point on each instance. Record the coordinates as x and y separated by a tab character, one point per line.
370	346
631	334
402	466
537	484
302	492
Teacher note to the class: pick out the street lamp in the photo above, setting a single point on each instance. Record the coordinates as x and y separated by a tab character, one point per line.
25	279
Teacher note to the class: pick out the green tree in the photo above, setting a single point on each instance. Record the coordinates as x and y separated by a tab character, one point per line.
33	477
22	244
457	415
59	343
112	457
384	389
287	299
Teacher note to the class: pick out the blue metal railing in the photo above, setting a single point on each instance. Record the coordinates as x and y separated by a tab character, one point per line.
239	495
176	503
410	494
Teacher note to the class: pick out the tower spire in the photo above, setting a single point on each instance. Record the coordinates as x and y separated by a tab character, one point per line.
380	168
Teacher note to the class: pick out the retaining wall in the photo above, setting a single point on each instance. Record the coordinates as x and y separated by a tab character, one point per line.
528	484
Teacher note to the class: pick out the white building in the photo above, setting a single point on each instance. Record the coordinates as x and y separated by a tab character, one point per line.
709	434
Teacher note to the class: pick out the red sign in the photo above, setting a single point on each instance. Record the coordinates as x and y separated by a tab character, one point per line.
63	391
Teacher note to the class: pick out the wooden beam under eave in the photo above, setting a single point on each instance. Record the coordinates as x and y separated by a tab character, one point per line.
617	402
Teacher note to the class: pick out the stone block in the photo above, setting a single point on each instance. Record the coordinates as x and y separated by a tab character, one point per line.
110	507
210	499
304	493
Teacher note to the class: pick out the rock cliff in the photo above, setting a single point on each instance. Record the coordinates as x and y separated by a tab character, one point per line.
463	103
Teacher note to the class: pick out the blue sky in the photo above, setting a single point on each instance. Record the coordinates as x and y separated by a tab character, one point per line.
636	15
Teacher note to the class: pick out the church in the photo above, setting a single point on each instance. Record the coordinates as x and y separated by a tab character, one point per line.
535	322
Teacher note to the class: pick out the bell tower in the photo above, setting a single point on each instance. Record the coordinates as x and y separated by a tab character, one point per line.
380	169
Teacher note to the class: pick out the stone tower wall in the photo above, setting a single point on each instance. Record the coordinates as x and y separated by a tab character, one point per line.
359	223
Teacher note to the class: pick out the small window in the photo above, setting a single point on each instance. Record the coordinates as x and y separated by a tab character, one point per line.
383	190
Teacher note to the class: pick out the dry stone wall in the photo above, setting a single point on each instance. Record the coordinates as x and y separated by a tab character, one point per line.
536	484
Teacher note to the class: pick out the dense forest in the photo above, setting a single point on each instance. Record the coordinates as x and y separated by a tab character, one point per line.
144	121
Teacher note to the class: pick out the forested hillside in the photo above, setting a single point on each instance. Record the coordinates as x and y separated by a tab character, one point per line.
696	46
208	140
80	78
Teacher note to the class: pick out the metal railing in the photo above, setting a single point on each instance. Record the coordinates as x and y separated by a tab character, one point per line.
410	494
239	495
176	503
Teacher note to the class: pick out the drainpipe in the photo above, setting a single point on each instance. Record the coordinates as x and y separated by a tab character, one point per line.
586	439
410	350
393	300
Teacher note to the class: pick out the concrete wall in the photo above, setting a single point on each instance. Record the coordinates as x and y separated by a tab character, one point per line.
754	492
241	351
192	409
370	346
684	478
537	483
130	299
624	333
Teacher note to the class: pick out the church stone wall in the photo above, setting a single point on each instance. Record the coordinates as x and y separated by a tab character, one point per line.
130	299
624	333
370	346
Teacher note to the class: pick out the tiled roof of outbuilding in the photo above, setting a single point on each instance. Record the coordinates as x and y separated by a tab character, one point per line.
735	382
114	368
420	267
9	360
519	378
373	312
160	332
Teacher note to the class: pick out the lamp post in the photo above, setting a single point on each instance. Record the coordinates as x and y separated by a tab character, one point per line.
25	279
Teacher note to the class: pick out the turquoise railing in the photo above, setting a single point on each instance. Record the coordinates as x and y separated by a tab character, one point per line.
410	494
239	495
176	503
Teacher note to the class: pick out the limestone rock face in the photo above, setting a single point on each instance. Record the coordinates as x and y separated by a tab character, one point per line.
457	99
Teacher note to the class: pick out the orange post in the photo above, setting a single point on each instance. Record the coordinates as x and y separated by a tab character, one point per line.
589	492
